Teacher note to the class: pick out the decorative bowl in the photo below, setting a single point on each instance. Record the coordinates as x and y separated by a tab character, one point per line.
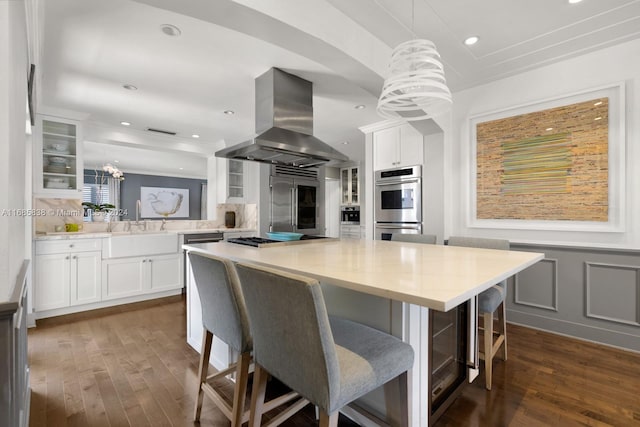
284	236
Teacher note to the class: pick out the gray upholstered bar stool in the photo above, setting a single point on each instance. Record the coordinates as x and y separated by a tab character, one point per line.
330	362
488	302
414	238
224	315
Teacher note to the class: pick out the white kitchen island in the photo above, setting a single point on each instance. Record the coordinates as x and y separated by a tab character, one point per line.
395	284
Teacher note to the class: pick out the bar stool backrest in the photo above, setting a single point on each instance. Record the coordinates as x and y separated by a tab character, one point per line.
224	312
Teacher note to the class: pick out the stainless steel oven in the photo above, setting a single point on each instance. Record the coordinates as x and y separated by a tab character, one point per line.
398	195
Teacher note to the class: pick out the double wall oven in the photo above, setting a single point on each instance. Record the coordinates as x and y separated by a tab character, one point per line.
398	201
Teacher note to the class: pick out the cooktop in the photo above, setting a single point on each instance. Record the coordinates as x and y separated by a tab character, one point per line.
259	242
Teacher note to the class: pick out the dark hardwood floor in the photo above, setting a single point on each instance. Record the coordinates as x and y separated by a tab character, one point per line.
131	366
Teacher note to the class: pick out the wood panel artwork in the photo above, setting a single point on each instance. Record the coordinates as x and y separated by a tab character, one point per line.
545	165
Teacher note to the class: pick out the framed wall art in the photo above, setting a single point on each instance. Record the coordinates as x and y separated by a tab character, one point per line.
158	202
553	165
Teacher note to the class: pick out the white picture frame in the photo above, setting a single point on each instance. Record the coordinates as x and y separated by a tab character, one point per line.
616	181
161	202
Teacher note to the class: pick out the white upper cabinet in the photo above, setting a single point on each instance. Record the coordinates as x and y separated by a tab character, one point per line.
349	186
58	166
397	147
235	180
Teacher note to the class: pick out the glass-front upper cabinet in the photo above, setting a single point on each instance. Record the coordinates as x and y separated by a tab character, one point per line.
58	167
235	179
350	186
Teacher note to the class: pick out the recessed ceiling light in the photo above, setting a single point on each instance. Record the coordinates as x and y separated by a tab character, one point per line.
129	87
346	143
229	112
598	103
471	40
598	118
181	168
195	135
548	129
125	123
360	107
116	161
170	30
574	1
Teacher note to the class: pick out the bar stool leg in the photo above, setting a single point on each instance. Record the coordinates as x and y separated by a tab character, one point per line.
260	377
205	352
329	420
242	378
504	330
488	348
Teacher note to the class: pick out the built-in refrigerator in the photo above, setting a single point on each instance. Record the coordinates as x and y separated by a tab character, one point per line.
295	205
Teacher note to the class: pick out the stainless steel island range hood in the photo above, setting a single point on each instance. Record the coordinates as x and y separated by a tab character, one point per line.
284	125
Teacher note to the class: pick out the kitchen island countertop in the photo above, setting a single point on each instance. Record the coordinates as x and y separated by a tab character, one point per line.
434	276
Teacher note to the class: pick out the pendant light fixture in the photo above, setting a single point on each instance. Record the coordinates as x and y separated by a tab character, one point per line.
416	88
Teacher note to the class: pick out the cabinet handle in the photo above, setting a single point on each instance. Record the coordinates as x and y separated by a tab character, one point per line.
144	260
75	257
150	260
71	245
66	257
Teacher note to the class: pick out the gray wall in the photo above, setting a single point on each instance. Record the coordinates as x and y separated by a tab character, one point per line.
588	293
130	190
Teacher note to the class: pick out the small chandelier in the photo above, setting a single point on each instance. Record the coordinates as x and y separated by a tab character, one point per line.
416	88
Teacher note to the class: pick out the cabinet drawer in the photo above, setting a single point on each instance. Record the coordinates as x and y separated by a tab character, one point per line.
71	245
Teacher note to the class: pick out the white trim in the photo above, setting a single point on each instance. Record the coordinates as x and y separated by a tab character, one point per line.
385	124
617	171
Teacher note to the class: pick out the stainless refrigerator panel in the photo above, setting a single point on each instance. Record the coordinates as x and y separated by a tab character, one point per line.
282	195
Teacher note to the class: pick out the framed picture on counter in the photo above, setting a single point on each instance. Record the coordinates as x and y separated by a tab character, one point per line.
159	202
552	165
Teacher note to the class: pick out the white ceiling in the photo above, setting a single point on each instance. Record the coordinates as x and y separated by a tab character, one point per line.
92	47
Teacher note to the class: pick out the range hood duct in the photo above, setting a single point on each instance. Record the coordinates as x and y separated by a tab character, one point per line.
284	125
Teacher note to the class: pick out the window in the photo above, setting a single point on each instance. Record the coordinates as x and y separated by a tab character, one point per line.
96	194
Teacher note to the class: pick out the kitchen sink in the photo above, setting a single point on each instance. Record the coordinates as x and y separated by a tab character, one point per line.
136	232
132	244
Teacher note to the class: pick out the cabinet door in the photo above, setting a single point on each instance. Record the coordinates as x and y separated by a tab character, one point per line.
86	277
52	281
386	149
58	166
123	277
345	191
235	181
355	186
411	146
165	272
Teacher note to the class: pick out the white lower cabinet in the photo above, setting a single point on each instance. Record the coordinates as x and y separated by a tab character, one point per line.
65	277
52	281
124	277
350	232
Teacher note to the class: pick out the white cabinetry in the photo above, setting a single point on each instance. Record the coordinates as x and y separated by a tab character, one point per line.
397	147
349	186
350	232
58	166
235	180
67	273
125	277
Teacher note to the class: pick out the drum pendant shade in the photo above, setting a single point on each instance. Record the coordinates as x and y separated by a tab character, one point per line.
416	88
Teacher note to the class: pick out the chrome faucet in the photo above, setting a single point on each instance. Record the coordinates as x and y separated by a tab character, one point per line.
138	207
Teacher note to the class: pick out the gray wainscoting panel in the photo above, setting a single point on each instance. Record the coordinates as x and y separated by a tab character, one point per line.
612	292
537	286
583	292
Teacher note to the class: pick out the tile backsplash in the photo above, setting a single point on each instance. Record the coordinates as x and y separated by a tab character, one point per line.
50	213
58	212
